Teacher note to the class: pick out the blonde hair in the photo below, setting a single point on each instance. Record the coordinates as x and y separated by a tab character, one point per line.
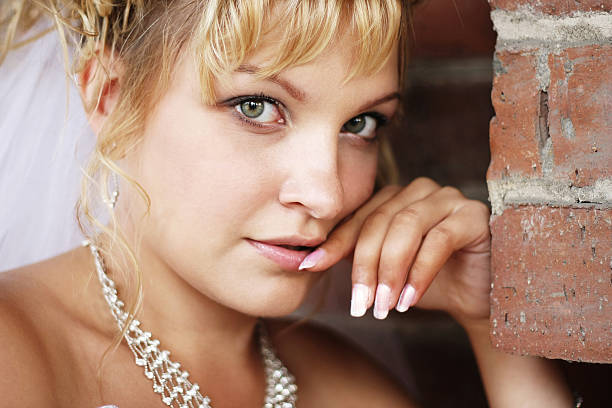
149	36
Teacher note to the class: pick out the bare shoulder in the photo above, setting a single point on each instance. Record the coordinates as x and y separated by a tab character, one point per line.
24	370
330	369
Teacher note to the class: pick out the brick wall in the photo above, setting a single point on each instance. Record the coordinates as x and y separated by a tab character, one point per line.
550	178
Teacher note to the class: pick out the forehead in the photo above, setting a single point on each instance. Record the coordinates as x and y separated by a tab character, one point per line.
332	65
358	39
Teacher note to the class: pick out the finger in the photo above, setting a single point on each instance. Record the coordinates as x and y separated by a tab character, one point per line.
370	242
341	241
403	240
454	233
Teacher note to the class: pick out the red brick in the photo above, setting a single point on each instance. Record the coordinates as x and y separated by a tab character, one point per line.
580	97
555	7
552	282
513	131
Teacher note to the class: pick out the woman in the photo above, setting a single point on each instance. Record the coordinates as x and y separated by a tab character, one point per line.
237	150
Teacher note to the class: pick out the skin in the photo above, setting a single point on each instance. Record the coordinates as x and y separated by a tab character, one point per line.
214	181
194	240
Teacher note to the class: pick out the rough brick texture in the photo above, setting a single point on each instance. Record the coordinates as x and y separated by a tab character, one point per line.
550	181
557	7
513	131
575	112
551	285
580	118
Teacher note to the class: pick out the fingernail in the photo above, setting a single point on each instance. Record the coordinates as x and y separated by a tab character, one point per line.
359	300
381	303
312	259
406	298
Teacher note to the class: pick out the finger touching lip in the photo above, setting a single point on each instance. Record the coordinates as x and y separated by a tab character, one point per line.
285	256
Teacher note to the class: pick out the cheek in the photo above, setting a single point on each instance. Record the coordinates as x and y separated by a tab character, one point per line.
357	173
194	172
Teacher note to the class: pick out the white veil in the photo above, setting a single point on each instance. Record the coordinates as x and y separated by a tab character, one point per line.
43	146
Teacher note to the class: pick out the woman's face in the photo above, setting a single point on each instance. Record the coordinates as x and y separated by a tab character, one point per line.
276	161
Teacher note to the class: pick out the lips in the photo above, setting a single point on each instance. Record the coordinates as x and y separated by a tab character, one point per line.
288	253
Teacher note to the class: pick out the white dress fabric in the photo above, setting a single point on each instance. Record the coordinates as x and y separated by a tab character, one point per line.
43	144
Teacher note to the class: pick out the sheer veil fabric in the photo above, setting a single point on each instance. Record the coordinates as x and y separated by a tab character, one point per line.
44	144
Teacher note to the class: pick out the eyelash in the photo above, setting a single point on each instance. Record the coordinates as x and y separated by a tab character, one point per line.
233	102
381	120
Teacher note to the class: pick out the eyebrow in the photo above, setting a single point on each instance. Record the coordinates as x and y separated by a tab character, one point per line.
292	90
379	101
300	95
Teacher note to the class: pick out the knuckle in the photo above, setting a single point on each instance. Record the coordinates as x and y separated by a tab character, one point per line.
376	218
424	265
407	215
451	191
391	256
442	235
481	208
425	182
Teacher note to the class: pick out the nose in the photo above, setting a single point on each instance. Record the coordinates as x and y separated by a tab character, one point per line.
312	181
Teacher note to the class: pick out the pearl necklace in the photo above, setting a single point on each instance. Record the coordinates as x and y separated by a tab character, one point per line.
172	383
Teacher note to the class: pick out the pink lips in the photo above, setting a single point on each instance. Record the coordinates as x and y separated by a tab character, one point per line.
287	259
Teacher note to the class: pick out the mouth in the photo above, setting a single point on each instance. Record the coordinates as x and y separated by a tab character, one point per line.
287	256
297	247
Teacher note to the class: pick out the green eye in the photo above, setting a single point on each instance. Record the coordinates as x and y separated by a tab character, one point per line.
252	109
364	125
259	110
355	125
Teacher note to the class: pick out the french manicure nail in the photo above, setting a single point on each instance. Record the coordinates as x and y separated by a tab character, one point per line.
359	299
312	259
406	298
381	302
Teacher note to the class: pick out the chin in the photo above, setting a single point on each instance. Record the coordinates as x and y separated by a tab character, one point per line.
276	299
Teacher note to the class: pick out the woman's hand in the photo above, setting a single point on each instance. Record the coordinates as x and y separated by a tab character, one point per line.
421	245
435	241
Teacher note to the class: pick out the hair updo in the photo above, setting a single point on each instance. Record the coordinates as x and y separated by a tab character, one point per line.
149	36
